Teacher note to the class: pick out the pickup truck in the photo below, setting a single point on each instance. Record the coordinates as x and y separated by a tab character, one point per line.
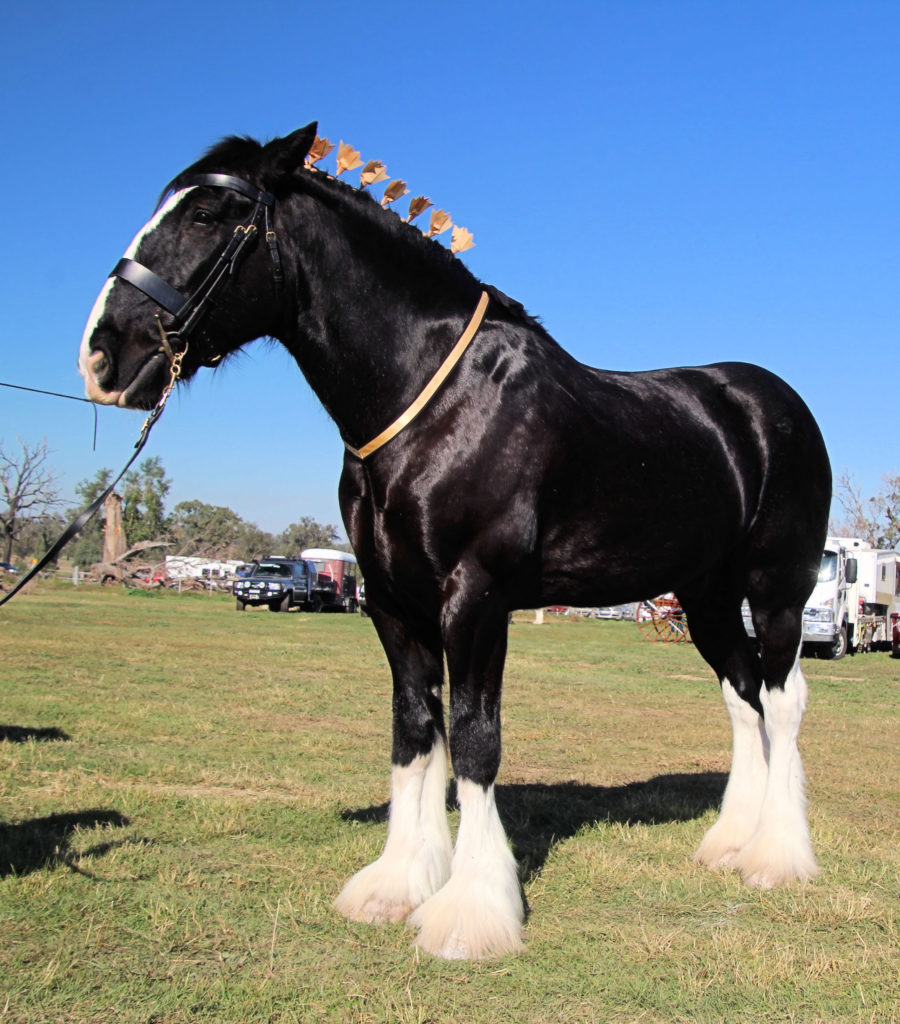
280	584
319	579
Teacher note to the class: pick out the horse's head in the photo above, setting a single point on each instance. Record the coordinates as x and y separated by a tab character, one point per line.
201	275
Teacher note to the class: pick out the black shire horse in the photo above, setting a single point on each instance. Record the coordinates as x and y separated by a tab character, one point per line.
520	478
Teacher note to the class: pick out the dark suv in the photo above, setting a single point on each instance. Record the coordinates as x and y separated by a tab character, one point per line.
280	583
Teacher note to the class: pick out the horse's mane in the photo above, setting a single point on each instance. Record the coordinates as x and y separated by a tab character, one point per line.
239	155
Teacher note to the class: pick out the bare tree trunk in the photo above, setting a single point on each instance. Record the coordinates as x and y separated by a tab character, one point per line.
114	541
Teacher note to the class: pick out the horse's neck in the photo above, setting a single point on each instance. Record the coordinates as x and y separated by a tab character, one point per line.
369	338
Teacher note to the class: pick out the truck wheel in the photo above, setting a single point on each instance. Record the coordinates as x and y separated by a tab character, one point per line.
240	605
839	647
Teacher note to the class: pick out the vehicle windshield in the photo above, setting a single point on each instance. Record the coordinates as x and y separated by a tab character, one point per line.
828	568
272	569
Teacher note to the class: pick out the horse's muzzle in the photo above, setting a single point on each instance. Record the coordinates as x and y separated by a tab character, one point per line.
103	380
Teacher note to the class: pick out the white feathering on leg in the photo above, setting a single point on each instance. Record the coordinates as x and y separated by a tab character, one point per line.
743	798
416	858
780	849
479	913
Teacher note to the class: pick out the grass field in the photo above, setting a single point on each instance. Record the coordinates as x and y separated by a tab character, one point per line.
184	790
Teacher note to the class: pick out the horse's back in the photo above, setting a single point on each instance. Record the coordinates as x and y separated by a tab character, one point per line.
658	477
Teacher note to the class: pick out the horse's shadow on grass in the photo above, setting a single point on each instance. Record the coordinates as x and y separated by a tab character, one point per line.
22	734
29	846
536	816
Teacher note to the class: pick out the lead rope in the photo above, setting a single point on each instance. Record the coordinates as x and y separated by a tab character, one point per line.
76	526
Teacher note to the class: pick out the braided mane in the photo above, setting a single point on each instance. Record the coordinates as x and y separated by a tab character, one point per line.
240	155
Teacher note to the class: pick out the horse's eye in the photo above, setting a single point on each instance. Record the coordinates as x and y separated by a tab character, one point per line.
203	217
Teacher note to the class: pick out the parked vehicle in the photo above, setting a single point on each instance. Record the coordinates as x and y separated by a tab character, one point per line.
855	597
879	598
280	584
607	613
319	580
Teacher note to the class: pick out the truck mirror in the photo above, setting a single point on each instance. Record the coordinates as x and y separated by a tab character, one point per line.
850	570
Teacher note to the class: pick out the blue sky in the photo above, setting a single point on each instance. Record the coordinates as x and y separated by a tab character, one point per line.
663	183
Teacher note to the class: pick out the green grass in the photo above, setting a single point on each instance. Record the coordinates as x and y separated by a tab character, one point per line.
184	790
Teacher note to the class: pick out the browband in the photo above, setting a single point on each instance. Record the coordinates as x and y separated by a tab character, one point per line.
235	184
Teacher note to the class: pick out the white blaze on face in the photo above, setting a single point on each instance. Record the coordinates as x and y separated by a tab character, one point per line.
92	390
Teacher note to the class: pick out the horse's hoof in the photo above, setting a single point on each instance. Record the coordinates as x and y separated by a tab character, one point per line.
768	861
453	926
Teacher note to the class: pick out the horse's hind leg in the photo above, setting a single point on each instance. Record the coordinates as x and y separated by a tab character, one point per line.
718	633
780	849
415	862
761	829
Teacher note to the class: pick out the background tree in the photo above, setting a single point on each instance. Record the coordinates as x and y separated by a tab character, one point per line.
193	528
207	529
28	488
254	543
36	536
144	502
306	534
876	519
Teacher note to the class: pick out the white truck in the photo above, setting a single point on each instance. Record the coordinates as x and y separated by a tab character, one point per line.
855	603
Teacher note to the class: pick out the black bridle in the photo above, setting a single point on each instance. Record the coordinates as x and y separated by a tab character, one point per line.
189	310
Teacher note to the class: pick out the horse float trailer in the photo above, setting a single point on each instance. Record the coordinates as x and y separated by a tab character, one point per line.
336	583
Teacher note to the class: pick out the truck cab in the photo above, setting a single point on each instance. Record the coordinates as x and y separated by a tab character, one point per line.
832	611
850	608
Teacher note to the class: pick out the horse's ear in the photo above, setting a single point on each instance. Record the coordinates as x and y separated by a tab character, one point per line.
284	157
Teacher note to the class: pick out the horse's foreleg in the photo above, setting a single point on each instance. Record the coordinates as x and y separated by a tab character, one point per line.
479	913
415	861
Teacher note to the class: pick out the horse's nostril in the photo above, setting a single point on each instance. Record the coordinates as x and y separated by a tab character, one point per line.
101	368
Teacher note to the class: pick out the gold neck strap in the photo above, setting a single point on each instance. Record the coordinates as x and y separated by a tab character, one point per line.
430	388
